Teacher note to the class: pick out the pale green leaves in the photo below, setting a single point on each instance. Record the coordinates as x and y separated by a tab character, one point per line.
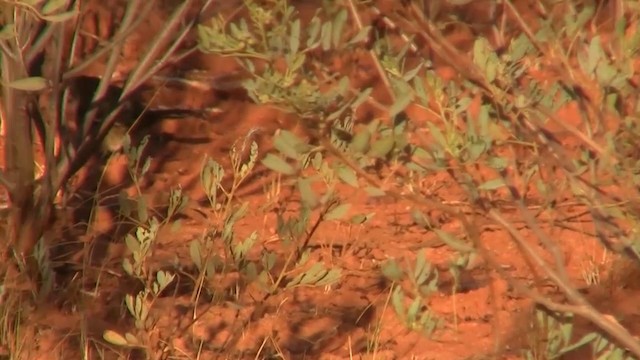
137	168
128	340
519	47
486	59
417	316
163	279
211	176
215	39
558	330
138	308
317	275
140	246
177	202
598	64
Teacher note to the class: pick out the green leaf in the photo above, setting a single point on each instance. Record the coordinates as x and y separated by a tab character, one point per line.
114	338
363	96
601	343
420	219
347	175
176	226
498	163
491	69
391	270
294	37
483	121
411	74
397	299
420	92
578	23
124	204
595	54
325	36
453	241
492	184
462	105
422	269
437	135
307	194
382	147
35	83
519	47
480	52
164	278
337	212
338	26
313	32
195	254
304	258
269	260
290	145
587	339
360	219
402	101
62	17
374	191
361	36
127	266
132	243
131	339
277	164
605	74
476	150
360	142
412	311
331	277
143	214
309	277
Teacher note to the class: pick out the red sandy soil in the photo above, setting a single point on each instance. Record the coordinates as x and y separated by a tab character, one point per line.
344	320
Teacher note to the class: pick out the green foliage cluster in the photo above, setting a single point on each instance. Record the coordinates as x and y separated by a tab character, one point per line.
512	115
288	59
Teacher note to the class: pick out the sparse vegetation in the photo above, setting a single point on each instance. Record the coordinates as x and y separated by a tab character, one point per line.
433	167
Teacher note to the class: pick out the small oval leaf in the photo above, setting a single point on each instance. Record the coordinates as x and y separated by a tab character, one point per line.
348	175
114	338
34	83
337	212
360	142
277	164
382	147
307	194
492	184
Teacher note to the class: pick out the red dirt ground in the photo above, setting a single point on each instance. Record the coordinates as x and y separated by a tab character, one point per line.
484	317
